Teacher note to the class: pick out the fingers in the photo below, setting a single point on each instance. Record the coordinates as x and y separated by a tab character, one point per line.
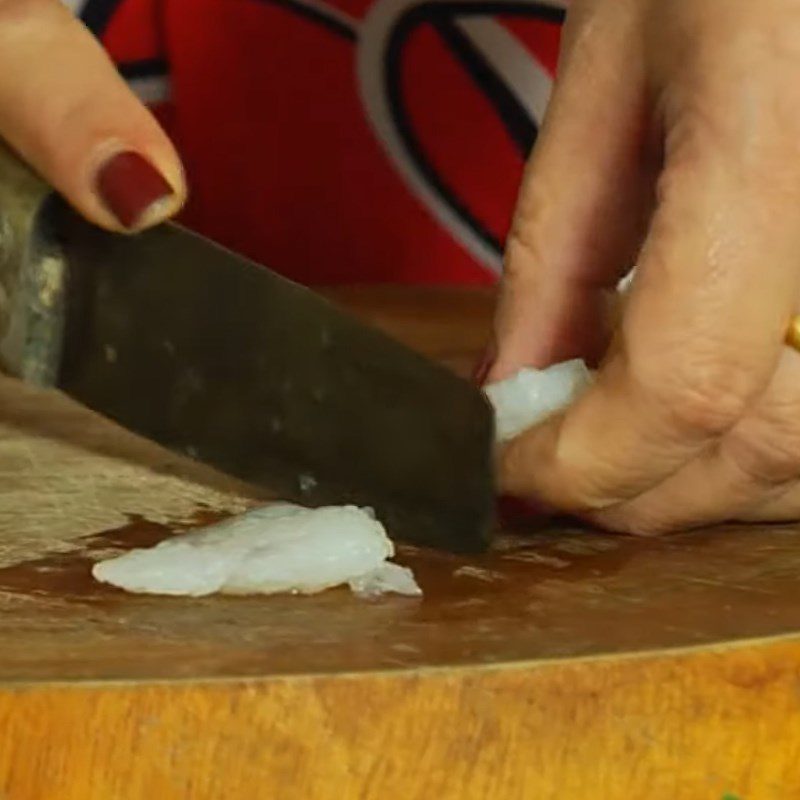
702	332
745	474
781	507
579	216
66	111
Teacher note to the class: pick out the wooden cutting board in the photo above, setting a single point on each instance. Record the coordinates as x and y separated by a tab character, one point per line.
566	664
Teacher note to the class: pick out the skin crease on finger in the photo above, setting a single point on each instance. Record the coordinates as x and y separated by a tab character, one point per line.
750	475
724	91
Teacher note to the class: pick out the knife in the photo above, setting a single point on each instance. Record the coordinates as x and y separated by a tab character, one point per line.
222	360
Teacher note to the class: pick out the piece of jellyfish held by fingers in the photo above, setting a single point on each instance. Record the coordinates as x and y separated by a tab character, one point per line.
530	396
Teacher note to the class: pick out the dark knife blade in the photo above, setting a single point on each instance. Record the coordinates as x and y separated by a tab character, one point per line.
215	357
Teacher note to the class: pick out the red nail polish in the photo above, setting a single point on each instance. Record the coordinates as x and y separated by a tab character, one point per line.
483	367
129	185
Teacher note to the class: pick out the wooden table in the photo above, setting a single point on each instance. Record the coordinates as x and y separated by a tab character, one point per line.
564	665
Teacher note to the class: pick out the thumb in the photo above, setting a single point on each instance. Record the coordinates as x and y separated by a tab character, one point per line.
67	112
584	198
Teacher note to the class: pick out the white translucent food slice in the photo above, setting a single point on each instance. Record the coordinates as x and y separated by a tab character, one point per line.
387	577
278	548
525	399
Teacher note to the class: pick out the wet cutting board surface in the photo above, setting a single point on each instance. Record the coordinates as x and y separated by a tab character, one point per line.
538	595
557	640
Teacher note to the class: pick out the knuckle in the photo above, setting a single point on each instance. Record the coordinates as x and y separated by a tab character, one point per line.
527	251
522	254
767	452
587	483
708	409
567	478
700	397
629	520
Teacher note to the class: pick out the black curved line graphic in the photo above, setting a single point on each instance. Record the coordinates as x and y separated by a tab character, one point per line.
440	14
402	122
504	8
145	68
519	125
317	15
521	129
97	14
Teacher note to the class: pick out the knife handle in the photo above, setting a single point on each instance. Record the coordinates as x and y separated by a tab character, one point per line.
33	275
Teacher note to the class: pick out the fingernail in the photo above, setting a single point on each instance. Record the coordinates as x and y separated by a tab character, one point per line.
131	187
482	369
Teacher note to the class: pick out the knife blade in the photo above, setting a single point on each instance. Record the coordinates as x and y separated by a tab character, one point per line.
220	359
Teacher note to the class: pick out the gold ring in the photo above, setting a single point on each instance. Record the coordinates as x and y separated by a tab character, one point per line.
793	334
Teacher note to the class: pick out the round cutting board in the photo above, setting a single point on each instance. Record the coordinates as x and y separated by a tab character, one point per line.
564	664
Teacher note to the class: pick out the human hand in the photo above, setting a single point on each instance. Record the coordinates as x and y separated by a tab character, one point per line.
671	141
65	110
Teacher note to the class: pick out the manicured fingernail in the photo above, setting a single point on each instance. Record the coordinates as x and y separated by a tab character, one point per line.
132	188
483	367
